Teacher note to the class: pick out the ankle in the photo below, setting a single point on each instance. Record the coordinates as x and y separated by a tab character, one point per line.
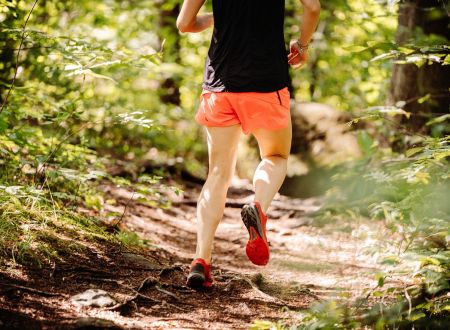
205	259
264	206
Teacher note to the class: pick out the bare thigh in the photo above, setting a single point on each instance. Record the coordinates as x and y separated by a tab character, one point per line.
222	149
274	142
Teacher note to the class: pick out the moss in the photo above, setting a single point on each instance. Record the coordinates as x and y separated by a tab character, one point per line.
35	232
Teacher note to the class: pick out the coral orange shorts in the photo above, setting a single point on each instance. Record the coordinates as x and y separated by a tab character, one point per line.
250	109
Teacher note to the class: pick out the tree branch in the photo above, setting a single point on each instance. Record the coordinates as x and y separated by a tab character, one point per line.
17	58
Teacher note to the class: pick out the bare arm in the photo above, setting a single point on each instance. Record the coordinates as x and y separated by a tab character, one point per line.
298	48
189	21
310	19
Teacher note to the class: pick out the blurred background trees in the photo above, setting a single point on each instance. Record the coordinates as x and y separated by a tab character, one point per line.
110	87
422	89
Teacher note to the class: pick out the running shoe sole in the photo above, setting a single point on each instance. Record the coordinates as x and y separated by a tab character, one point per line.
251	219
196	278
257	249
195	281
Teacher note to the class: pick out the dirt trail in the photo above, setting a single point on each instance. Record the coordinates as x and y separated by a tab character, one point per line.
308	263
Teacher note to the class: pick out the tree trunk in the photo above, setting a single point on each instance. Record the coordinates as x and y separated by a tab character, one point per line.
409	82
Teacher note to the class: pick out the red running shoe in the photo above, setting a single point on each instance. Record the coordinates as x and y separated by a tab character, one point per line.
199	275
255	220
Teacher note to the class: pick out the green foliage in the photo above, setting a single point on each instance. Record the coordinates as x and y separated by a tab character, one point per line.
148	190
408	192
336	75
83	93
35	229
266	325
90	95
131	239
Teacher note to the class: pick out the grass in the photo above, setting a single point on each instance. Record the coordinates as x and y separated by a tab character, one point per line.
38	232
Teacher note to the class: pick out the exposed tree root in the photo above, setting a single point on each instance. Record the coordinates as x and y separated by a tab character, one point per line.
11	286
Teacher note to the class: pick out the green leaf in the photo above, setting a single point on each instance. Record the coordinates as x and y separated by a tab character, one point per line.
365	142
372	43
390	110
413	151
441	155
97	75
405	50
446	60
3	124
380	279
391	54
417	316
354	48
438	120
429	261
423	98
94	201
417	59
89	72
378	294
390	260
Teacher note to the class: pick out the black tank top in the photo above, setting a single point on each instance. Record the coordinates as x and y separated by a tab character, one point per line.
247	52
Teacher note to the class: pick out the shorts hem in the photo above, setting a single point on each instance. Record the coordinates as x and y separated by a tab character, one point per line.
213	124
272	128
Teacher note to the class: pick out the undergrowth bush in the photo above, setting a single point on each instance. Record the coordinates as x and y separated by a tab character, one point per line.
409	193
75	104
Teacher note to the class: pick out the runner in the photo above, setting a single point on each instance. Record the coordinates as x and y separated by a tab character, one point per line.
245	88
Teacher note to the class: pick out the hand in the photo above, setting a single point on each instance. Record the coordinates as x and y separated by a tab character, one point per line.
297	56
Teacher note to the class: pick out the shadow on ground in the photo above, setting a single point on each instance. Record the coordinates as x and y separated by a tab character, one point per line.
147	285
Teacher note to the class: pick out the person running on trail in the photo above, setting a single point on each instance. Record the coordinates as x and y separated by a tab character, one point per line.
245	87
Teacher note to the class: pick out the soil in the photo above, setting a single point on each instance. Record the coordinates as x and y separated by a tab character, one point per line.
309	263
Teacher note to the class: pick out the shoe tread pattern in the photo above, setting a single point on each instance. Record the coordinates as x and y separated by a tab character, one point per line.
251	219
196	277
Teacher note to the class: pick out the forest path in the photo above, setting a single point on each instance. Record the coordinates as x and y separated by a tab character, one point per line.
308	263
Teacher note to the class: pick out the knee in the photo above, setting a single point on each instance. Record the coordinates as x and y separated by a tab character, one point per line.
282	155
